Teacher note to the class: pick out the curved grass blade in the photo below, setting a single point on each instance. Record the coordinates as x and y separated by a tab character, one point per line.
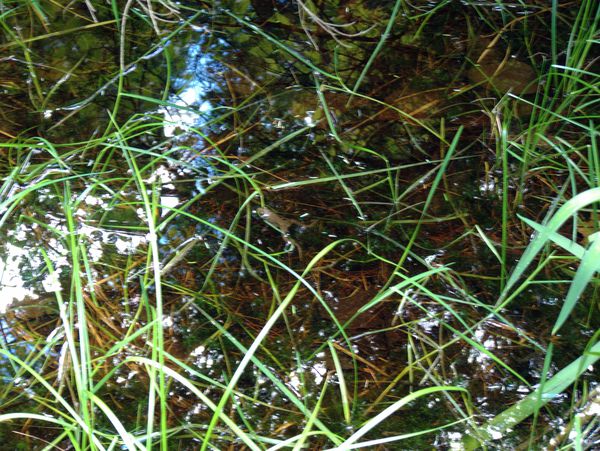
261	337
590	264
380	441
190	386
341	381
386	413
57	396
128	439
377	49
565	212
528	405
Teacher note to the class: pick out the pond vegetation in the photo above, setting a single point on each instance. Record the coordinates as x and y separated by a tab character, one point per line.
321	224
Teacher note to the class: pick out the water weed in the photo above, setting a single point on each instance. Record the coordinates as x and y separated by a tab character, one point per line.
313	224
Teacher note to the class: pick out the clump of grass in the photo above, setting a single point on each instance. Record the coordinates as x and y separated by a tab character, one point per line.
194	324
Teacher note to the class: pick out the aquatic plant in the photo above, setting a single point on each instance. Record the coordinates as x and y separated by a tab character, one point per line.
311	224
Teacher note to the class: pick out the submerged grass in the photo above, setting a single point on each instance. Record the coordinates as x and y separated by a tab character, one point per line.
154	324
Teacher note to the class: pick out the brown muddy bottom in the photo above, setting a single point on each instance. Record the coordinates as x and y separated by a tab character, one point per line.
260	165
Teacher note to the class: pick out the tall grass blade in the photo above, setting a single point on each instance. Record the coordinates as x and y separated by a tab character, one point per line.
191	387
566	211
388	411
341	381
512	416
590	264
128	440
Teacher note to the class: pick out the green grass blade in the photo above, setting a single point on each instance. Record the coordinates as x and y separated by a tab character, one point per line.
570	246
388	411
260	338
566	211
590	264
307	431
128	439
190	386
512	416
341	381
377	49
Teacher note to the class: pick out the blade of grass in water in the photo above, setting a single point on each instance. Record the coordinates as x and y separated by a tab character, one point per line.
388	411
128	439
512	416
76	418
258	341
341	381
344	186
438	178
56	34
377	50
590	264
190	386
307	431
264	369
149	204
565	212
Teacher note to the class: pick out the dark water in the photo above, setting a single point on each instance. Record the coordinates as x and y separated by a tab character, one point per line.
237	116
